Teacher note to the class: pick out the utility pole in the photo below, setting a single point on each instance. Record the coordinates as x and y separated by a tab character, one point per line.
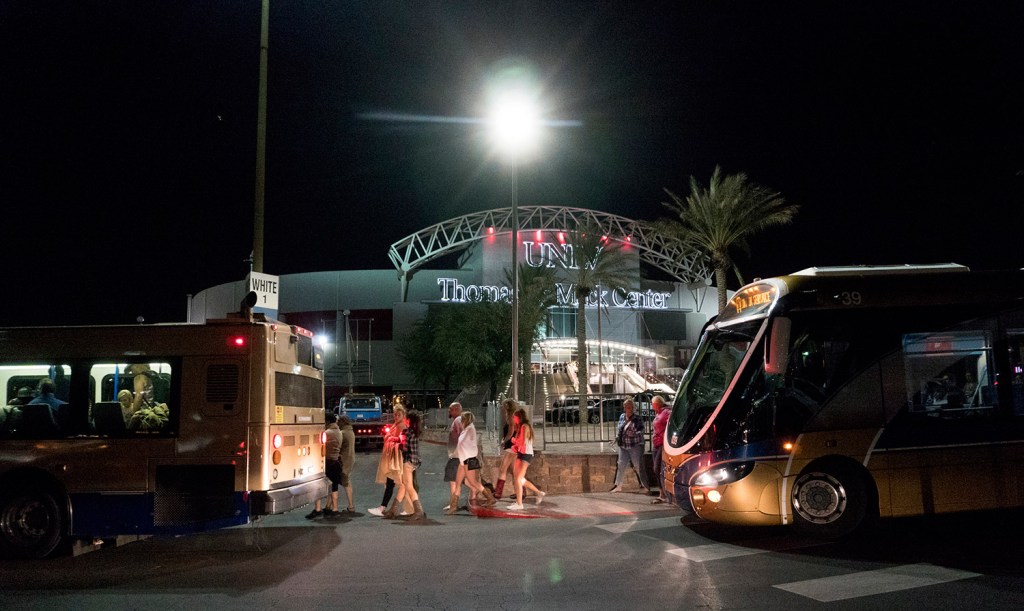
261	143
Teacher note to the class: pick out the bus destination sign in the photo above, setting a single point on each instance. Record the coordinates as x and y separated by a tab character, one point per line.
752	300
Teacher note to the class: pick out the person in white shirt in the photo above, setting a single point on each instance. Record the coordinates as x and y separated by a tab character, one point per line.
468	451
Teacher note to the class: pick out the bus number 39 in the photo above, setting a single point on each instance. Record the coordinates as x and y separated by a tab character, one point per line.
850	298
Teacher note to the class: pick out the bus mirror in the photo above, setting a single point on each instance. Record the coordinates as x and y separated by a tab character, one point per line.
776	358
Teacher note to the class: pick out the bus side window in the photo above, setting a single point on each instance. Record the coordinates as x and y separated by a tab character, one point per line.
949	373
141	403
36	409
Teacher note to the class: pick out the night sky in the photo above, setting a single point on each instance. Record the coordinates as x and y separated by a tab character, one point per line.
128	130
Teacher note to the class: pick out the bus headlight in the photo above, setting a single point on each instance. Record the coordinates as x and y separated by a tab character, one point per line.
723	474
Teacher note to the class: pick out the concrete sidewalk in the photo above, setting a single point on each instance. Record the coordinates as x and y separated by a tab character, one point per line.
596	504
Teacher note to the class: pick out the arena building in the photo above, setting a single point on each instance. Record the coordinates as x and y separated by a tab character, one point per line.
649	332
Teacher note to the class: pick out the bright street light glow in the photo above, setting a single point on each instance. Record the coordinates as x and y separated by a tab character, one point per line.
515	124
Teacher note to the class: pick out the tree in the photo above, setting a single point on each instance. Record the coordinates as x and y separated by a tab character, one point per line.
457	345
721	217
597	262
536	295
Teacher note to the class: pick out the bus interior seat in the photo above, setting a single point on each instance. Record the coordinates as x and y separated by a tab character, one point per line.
36	421
108	418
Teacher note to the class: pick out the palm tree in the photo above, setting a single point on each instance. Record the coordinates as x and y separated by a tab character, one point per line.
722	217
599	262
536	295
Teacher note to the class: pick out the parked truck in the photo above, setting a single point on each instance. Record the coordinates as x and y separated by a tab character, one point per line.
368	418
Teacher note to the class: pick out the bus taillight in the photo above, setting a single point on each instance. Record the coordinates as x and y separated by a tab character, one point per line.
238	341
278	441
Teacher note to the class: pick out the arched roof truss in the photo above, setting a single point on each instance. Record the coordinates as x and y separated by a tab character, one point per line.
669	254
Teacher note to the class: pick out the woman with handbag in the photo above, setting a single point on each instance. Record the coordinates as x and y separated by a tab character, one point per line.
469	465
389	470
410	445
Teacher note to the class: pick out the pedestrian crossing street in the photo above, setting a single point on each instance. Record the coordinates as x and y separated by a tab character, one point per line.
823	589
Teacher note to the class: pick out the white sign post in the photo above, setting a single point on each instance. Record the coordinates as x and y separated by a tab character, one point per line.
266	288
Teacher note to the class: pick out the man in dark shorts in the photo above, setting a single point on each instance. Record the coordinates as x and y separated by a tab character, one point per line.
332	468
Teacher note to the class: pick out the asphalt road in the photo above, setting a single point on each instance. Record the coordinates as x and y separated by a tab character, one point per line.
642	558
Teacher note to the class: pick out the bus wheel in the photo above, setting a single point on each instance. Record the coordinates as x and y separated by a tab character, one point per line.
829	503
31	523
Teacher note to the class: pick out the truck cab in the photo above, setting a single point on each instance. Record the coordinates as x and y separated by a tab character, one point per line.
367	416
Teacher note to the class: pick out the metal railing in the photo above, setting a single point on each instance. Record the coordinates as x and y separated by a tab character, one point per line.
565	422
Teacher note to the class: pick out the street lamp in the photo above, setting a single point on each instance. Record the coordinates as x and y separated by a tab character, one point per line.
515	127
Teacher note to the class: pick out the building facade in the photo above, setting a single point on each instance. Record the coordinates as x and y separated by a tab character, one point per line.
652	327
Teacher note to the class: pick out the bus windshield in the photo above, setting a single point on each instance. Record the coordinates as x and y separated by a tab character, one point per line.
708	377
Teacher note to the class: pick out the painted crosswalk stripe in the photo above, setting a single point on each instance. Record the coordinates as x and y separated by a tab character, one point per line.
637	525
714	551
868	583
718	551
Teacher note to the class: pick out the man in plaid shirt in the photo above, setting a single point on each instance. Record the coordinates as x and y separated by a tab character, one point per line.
630	439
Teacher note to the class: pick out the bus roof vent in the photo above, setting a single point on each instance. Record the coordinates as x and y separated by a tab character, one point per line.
869	270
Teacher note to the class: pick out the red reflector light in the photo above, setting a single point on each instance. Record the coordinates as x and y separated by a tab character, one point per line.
237	340
278	441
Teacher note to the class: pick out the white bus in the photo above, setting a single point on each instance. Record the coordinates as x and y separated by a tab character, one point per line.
156	429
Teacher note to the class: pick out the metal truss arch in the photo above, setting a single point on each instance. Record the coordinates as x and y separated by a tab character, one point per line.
671	255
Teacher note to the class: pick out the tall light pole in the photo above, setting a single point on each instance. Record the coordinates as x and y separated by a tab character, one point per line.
515	127
261	143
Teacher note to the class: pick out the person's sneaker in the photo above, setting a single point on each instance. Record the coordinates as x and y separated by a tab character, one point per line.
540	497
376	511
314	514
515	507
616	489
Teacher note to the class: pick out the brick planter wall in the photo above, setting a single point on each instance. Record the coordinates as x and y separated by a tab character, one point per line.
561	473
571	473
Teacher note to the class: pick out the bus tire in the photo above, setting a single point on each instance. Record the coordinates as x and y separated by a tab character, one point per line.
829	502
32	524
